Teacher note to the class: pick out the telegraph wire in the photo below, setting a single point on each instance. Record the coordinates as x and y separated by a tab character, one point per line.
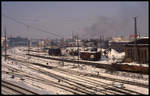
29	26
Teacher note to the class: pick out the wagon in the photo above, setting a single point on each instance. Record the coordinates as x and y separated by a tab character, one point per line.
91	56
55	52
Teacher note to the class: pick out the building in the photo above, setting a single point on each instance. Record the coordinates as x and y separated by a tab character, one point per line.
34	42
17	41
75	43
118	43
55	52
3	41
137	51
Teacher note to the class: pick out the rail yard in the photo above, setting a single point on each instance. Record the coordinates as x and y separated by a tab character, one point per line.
75	48
58	75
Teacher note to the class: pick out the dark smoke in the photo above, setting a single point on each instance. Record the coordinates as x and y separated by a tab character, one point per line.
106	26
122	24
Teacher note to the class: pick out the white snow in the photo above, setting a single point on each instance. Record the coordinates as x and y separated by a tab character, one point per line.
24	70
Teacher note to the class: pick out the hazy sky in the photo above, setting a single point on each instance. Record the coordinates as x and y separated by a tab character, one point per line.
88	19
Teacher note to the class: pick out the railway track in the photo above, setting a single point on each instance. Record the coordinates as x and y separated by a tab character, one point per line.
47	82
77	91
79	86
102	77
74	90
75	84
82	66
97	65
82	87
12	88
87	74
82	82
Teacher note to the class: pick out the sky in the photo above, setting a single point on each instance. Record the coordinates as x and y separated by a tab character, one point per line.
85	19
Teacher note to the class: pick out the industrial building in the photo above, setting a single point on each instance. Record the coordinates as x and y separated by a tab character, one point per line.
137	51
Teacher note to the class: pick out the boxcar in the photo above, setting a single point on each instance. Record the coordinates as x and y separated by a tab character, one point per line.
91	56
55	52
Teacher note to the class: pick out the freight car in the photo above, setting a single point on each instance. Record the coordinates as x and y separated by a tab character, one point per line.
91	56
55	52
130	68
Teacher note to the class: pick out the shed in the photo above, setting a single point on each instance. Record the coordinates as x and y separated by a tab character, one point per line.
137	51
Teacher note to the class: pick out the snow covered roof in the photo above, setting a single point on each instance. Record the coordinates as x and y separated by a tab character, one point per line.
143	37
140	41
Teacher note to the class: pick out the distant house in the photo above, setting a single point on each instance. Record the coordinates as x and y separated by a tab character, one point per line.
138	53
118	44
3	41
34	42
89	44
75	43
17	41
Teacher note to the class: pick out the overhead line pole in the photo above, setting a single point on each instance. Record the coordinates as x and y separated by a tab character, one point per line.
73	52
100	41
5	43
135	37
78	48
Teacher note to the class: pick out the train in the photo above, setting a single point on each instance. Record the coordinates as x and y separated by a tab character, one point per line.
130	68
55	52
91	56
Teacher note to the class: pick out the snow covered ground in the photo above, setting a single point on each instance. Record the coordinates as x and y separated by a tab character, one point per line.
32	75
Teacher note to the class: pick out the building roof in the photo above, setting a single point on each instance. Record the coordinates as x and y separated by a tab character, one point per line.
17	39
140	41
119	39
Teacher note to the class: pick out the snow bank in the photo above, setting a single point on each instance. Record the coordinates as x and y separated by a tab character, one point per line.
116	54
136	64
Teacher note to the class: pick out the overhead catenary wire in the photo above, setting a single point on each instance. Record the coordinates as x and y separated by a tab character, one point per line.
30	26
33	27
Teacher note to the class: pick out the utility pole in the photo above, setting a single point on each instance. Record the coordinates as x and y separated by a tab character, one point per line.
137	53
72	34
38	45
103	40
5	43
73	52
28	50
100	41
135	38
78	48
